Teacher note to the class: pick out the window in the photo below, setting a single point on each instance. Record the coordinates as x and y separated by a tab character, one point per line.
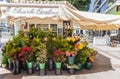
54	28
31	26
66	23
43	27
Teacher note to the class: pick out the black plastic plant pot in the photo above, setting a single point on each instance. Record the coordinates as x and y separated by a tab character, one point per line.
58	71
88	65
42	69
71	71
42	72
50	64
23	66
16	67
80	66
30	69
10	64
64	67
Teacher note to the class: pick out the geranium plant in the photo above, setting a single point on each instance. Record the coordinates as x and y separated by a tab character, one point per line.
27	54
58	56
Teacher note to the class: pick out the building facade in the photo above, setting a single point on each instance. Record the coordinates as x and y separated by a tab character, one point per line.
105	6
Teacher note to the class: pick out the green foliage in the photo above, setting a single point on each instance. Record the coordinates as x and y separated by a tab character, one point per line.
61	44
58	58
50	46
4	59
80	4
118	13
41	53
83	54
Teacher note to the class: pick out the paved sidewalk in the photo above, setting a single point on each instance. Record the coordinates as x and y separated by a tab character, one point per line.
111	52
106	66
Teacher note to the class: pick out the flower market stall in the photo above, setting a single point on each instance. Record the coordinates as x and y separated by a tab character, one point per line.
33	51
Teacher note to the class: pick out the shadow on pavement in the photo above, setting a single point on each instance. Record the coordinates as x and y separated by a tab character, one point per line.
101	64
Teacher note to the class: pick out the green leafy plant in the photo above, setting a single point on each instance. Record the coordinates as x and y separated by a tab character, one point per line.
4	60
41	53
83	54
50	47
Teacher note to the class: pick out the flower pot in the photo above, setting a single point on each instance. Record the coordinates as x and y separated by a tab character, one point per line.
58	71
71	71
71	60
88	65
42	69
10	65
30	68
4	65
42	65
42	72
50	64
64	67
16	67
58	65
80	66
23	66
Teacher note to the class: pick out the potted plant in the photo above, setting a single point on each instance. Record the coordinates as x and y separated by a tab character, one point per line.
41	57
90	59
58	58
7	50
50	52
4	61
27	55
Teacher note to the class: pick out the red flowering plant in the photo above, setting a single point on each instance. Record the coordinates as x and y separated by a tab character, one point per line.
59	56
26	54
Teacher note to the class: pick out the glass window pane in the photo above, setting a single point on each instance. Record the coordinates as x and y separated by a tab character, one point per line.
53	27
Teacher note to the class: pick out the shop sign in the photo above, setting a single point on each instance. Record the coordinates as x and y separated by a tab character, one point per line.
46	11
